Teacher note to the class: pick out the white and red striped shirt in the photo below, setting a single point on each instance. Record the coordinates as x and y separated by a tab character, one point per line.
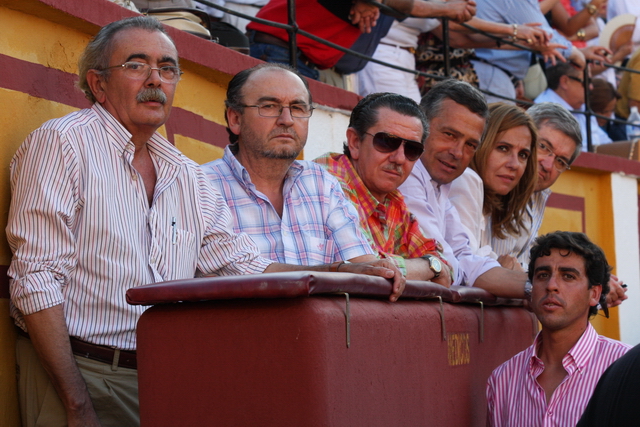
82	232
515	398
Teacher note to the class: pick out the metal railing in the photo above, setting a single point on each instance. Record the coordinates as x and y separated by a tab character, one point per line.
293	30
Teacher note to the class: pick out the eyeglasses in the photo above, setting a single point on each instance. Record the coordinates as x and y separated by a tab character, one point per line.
387	143
576	79
299	111
559	164
142	71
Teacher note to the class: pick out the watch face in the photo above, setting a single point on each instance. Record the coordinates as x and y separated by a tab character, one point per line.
435	264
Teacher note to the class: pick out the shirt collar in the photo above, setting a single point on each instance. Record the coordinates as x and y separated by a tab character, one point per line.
241	174
576	358
121	138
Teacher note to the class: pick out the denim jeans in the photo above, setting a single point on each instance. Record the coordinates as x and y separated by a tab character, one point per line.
273	53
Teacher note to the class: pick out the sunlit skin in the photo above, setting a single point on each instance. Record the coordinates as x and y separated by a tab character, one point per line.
508	160
561	296
383	173
280	137
454	136
117	93
562	145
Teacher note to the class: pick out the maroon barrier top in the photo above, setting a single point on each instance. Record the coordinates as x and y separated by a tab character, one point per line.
297	284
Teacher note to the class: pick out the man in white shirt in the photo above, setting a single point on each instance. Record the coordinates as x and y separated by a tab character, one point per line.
456	113
566	87
101	203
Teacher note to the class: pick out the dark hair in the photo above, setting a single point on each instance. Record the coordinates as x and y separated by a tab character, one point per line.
555	72
595	262
602	94
458	91
365	114
97	54
234	93
507	212
559	118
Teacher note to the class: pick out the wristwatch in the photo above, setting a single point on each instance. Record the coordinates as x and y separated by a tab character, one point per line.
434	264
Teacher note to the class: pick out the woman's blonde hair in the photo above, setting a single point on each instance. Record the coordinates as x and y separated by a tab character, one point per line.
507	212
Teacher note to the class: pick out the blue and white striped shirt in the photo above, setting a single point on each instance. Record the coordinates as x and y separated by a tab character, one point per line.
318	224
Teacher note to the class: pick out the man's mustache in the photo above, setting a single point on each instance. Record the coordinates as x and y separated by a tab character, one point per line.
152	94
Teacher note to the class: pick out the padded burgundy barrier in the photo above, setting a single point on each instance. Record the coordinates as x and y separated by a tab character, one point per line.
264	360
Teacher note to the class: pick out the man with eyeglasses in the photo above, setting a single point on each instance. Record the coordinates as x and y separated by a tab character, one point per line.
101	203
384	140
294	210
559	144
566	87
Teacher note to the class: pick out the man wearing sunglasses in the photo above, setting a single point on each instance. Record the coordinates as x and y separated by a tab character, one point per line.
566	87
101	203
384	140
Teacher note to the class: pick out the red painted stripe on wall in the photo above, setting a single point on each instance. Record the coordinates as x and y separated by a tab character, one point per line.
41	82
570	203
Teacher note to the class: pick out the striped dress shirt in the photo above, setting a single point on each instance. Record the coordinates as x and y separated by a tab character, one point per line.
82	231
318	224
516	399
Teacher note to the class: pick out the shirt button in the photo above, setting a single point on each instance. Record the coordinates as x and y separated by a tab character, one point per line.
134	177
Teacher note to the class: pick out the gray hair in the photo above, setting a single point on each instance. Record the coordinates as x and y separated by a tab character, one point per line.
98	52
559	118
458	91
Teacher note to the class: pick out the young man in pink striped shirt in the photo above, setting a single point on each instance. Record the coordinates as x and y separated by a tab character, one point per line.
550	383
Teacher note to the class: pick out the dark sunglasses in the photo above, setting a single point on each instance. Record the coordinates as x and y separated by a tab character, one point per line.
387	143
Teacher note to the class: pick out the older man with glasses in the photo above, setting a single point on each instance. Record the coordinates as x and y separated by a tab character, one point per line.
559	144
102	203
294	210
384	140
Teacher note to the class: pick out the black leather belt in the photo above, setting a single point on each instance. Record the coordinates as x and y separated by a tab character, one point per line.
112	356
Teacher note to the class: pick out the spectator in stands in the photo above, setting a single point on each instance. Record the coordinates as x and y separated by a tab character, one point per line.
294	210
559	144
456	114
551	382
602	100
491	196
399	46
621	7
101	203
629	87
499	71
335	22
566	87
384	139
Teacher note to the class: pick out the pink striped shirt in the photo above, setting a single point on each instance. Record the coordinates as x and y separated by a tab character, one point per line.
82	232
516	399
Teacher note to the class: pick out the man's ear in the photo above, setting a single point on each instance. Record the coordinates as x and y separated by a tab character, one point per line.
594	295
96	83
564	81
353	142
234	120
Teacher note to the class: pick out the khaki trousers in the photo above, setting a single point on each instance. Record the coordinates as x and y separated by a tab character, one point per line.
114	393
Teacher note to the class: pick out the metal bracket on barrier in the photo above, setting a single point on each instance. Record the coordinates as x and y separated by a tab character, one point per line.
481	321
444	328
347	316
